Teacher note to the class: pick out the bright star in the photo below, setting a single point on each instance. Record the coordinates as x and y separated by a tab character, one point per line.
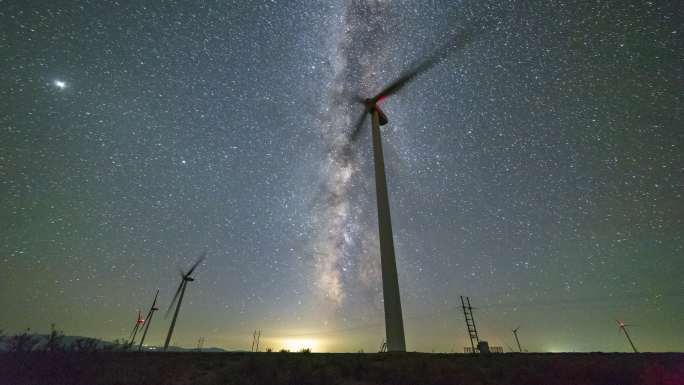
60	84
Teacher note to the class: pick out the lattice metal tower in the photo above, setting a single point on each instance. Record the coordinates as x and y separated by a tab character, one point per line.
470	323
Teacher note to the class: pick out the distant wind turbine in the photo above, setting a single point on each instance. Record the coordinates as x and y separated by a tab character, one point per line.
623	326
515	333
185	278
138	324
148	320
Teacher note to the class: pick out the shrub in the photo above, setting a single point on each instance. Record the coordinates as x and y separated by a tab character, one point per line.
24	342
116	345
54	339
84	345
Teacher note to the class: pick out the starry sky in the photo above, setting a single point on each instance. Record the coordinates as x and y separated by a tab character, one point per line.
536	167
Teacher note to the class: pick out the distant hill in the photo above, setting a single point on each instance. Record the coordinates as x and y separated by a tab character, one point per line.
68	341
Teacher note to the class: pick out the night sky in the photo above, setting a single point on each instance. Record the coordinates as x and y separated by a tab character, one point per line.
536	168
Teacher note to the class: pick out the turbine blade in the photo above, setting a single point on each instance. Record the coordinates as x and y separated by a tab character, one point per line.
199	260
358	99
457	43
358	126
175	297
154	303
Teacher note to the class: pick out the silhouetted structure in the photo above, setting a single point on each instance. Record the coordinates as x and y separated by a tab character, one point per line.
139	322
623	327
148	320
185	278
470	324
383	347
515	333
394	323
484	349
256	337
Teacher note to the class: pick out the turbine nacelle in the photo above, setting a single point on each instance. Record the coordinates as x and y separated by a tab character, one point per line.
372	105
140	320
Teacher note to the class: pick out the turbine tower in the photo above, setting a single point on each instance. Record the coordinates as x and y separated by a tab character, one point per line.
394	324
148	320
623	326
185	278
138	324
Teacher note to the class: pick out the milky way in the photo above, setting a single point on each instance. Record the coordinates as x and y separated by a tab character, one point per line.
346	247
342	246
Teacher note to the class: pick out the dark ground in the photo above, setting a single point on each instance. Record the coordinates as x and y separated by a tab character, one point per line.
358	369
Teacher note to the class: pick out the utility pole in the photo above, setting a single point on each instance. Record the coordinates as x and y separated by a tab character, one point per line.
257	340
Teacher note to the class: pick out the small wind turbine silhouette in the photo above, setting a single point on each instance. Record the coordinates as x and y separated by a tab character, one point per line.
185	278
138	324
515	333
623	326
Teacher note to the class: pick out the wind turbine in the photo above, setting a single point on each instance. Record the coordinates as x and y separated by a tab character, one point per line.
623	327
148	320
138	323
185	278
515	333
394	324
